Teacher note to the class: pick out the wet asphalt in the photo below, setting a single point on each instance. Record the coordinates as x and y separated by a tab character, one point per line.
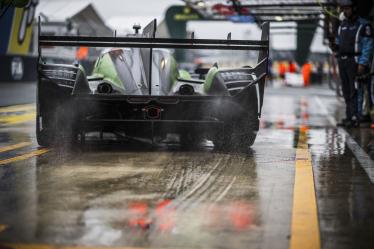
135	194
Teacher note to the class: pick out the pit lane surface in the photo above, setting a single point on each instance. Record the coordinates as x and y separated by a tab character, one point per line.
304	184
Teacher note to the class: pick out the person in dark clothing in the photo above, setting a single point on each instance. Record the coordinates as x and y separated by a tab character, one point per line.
354	48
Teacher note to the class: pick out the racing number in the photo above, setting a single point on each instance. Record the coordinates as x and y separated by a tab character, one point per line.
27	19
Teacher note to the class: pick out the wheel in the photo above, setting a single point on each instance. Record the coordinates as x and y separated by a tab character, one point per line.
45	129
235	142
244	141
57	129
189	139
42	136
238	135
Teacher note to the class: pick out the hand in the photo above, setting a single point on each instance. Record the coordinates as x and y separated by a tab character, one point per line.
360	69
333	46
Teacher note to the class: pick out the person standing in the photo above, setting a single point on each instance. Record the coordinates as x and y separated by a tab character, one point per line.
306	71
292	67
282	69
354	48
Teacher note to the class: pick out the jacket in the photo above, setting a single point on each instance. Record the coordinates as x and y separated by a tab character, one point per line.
356	39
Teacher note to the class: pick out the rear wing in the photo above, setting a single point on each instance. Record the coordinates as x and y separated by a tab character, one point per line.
150	41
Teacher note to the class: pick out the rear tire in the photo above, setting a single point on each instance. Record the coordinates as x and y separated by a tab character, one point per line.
189	140
42	137
238	136
235	142
57	130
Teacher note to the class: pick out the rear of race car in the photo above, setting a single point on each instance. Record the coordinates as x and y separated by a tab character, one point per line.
137	90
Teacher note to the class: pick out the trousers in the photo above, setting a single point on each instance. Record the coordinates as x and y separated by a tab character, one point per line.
348	71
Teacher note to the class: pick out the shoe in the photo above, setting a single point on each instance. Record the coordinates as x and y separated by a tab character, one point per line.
343	123
365	119
348	124
355	122
352	123
365	125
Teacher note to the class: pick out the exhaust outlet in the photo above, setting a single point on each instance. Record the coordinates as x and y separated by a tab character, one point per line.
104	88
186	90
152	112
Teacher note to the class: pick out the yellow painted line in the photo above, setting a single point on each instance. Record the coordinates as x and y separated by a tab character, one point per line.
14	146
24	156
45	246
18	108
17	119
3	228
305	233
34	246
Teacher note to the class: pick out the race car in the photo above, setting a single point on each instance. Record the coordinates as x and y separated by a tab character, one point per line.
136	89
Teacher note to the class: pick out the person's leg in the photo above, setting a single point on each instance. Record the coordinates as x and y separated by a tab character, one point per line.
345	86
351	69
363	98
360	99
372	101
367	101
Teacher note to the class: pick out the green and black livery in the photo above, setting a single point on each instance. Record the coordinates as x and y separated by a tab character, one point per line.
136	89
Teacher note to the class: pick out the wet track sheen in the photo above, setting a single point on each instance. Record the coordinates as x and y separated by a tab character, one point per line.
135	194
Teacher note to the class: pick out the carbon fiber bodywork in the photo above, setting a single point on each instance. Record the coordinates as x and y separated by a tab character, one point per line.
68	107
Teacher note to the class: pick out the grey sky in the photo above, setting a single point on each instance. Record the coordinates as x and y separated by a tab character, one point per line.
134	7
112	8
122	14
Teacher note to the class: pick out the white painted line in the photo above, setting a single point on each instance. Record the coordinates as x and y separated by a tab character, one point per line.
258	99
220	197
324	110
362	157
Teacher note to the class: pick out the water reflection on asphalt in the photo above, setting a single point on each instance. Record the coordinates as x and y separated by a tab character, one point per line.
143	195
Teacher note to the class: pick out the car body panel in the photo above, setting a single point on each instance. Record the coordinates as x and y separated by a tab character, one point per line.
151	99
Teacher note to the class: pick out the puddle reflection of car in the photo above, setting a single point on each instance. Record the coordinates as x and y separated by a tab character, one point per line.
137	88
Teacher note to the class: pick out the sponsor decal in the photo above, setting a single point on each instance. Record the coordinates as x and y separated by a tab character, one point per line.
368	31
187	15
241	19
20	38
17	68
